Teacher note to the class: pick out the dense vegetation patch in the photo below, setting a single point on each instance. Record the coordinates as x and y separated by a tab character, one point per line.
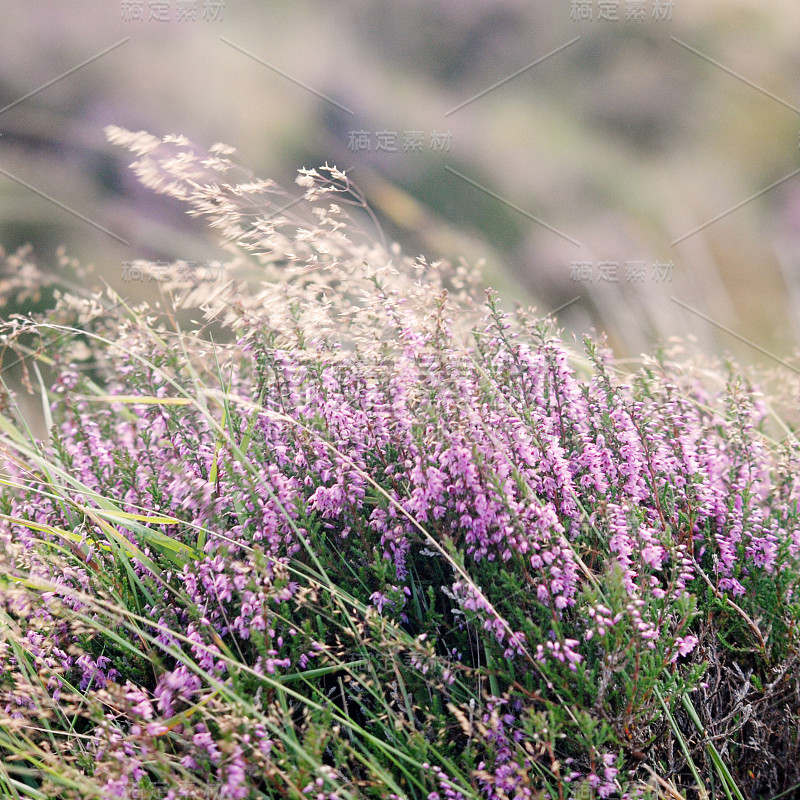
361	534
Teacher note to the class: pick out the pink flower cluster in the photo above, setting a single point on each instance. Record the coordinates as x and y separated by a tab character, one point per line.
501	456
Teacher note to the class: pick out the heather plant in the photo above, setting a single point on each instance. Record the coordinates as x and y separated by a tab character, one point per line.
363	532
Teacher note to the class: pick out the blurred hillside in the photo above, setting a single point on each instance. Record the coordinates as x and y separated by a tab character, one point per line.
580	158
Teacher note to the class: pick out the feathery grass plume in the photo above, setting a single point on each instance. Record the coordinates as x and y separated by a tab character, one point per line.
21	280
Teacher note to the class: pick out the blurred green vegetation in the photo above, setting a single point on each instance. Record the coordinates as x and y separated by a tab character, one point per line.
625	140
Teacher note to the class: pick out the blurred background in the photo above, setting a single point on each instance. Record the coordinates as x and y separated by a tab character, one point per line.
629	162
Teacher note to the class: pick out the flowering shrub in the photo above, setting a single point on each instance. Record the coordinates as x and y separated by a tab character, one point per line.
359	534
